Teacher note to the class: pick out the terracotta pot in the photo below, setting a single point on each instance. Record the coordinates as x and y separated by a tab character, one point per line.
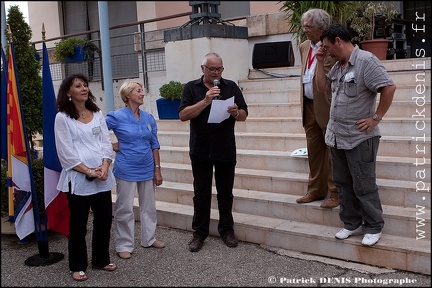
376	46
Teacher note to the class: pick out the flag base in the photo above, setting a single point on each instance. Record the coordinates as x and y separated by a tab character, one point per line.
37	260
44	257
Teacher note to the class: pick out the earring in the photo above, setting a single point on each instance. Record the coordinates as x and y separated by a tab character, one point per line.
70	98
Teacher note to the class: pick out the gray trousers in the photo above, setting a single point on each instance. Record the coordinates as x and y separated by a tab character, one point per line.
124	219
354	175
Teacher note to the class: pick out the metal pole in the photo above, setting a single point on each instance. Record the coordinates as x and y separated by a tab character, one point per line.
106	55
144	57
3	24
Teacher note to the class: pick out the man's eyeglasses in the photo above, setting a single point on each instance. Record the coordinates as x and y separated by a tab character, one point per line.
308	27
213	69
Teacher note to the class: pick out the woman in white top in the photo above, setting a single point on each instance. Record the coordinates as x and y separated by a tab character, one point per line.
85	152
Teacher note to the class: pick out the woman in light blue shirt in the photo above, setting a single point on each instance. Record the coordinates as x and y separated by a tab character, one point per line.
136	169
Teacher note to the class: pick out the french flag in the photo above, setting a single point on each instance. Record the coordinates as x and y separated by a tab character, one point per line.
56	203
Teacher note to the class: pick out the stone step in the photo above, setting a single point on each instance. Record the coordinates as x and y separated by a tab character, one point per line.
394	146
417	69
387	167
408	109
399	221
280	92
393	192
400	78
405	112
412	65
274	109
389	126
268	180
397	109
396	252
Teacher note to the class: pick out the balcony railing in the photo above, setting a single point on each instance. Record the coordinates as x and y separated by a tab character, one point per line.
127	56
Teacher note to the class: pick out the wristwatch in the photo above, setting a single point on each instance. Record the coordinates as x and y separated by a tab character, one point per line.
107	160
376	117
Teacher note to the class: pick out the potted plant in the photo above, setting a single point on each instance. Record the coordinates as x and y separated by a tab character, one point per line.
72	49
364	20
168	105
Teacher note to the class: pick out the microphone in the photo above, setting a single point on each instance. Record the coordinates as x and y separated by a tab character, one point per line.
216	84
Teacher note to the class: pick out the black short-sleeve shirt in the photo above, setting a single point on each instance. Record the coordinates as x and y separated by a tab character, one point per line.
211	141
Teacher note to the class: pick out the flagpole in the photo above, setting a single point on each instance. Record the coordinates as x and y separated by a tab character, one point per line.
44	257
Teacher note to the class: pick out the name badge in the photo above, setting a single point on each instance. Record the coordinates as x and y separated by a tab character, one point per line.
96	130
306	78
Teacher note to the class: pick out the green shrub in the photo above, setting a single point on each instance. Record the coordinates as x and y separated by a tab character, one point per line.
172	90
65	48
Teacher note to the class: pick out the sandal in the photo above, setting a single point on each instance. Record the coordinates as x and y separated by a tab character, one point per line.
109	267
79	275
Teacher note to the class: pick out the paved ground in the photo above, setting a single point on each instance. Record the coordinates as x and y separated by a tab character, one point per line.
215	265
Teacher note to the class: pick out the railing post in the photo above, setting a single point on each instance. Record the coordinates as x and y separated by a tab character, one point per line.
144	57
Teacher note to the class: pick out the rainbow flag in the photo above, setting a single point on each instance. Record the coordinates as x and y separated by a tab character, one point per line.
20	177
56	203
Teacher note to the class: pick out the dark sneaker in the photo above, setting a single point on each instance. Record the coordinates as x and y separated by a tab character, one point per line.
195	244
230	240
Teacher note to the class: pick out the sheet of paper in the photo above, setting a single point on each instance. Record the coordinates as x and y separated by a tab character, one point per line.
218	111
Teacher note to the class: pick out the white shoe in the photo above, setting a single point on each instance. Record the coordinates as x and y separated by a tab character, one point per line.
371	239
345	233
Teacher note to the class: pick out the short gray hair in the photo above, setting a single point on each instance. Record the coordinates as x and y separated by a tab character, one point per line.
210	55
319	18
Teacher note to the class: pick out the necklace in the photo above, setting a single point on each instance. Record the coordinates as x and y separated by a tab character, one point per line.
83	115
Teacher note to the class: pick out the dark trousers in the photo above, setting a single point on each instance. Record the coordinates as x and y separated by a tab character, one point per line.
354	175
224	180
101	205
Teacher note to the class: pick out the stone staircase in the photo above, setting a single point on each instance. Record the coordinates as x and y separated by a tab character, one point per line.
268	179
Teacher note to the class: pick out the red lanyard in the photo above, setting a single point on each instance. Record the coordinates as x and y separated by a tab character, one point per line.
310	58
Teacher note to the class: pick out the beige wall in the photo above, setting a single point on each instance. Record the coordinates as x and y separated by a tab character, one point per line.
166	8
146	10
183	58
47	13
264	7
